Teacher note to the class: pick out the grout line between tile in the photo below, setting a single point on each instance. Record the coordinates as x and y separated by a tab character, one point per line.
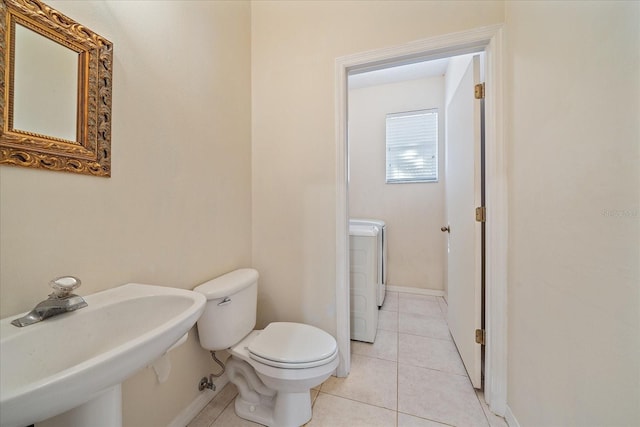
427	336
357	401
465	375
233	399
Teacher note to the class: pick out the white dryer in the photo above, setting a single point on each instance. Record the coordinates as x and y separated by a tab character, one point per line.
382	252
363	281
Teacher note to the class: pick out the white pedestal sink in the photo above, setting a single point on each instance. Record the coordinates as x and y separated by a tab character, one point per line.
102	411
73	364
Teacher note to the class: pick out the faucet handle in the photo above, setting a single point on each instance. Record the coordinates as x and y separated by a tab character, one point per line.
62	286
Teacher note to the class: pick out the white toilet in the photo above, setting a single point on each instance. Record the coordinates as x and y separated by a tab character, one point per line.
274	368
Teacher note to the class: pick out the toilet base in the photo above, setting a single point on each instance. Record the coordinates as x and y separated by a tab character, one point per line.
276	411
283	414
259	403
261	414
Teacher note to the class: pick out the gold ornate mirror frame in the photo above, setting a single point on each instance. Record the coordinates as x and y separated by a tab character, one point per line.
90	153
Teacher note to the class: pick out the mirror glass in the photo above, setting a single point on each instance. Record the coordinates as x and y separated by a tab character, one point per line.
45	86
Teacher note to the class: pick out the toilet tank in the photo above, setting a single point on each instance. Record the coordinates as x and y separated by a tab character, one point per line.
230	312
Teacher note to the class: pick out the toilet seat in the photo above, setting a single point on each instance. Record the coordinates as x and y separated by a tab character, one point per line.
283	365
293	346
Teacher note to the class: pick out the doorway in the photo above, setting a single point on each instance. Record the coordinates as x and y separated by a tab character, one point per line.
489	40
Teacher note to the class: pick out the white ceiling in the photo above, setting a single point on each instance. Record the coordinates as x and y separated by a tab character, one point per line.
437	67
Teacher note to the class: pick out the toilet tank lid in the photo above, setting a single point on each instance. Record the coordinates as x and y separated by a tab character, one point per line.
228	284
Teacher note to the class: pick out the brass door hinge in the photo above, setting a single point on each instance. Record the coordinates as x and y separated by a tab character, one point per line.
481	214
479	91
480	335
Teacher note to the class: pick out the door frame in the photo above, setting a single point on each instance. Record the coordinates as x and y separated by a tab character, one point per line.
489	39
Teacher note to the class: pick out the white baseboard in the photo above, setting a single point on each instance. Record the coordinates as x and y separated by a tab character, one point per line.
510	418
198	404
418	291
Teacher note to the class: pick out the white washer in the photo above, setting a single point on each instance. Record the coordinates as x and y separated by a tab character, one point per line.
363	277
382	252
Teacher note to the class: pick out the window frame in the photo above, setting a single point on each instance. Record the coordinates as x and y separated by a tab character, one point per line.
431	172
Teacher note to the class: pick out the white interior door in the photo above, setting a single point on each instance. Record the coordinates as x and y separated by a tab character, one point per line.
463	195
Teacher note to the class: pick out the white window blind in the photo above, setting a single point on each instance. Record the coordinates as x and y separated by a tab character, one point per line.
412	146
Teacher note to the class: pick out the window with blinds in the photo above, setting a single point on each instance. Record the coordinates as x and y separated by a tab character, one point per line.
412	146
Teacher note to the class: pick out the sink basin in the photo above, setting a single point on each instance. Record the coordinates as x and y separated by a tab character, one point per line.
65	361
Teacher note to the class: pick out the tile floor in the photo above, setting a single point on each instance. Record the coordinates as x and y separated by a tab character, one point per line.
412	376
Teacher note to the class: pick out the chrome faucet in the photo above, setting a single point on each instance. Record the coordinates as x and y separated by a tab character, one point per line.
61	300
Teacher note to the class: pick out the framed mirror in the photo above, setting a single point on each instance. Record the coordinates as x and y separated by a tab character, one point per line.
55	91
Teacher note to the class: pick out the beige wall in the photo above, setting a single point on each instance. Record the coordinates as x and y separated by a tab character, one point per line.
177	209
413	212
294	47
574	138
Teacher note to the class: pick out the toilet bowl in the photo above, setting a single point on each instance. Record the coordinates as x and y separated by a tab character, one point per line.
274	368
